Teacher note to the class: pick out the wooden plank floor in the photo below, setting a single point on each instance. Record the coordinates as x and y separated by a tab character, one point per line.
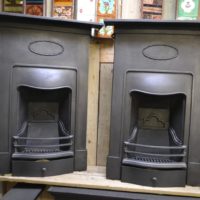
95	178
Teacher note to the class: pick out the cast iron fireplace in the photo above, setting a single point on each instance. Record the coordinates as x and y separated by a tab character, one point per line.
154	127
45	124
43	74
44	119
157	128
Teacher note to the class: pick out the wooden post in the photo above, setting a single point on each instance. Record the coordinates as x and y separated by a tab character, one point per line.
107	51
93	100
105	93
106	74
131	9
169	9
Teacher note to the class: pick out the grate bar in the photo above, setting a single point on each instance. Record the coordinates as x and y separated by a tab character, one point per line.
155	147
155	154
154	163
52	138
43	146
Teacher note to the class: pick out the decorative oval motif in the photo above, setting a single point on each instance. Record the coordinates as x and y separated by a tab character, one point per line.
160	52
46	48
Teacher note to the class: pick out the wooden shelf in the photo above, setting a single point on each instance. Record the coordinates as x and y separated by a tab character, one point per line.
94	178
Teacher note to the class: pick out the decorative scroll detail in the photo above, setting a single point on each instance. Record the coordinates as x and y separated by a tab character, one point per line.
153	118
46	48
160	52
42	111
43	114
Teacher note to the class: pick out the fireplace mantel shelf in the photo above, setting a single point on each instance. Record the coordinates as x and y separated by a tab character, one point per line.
94	178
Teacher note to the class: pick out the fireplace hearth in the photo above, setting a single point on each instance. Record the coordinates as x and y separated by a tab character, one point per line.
43	101
154	117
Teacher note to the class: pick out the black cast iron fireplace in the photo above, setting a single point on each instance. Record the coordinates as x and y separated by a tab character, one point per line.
157	127
43	72
44	119
45	124
154	119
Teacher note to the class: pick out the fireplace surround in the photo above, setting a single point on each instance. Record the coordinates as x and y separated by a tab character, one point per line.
154	118
43	103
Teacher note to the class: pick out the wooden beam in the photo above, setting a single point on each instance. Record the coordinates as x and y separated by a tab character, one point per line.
169	9
104	113
131	9
93	99
95	178
107	51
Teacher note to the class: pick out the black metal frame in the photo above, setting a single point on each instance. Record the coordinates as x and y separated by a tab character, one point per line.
49	21
22	191
63	193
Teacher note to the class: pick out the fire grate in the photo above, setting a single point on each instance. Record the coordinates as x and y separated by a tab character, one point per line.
153	159
162	157
29	150
43	148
